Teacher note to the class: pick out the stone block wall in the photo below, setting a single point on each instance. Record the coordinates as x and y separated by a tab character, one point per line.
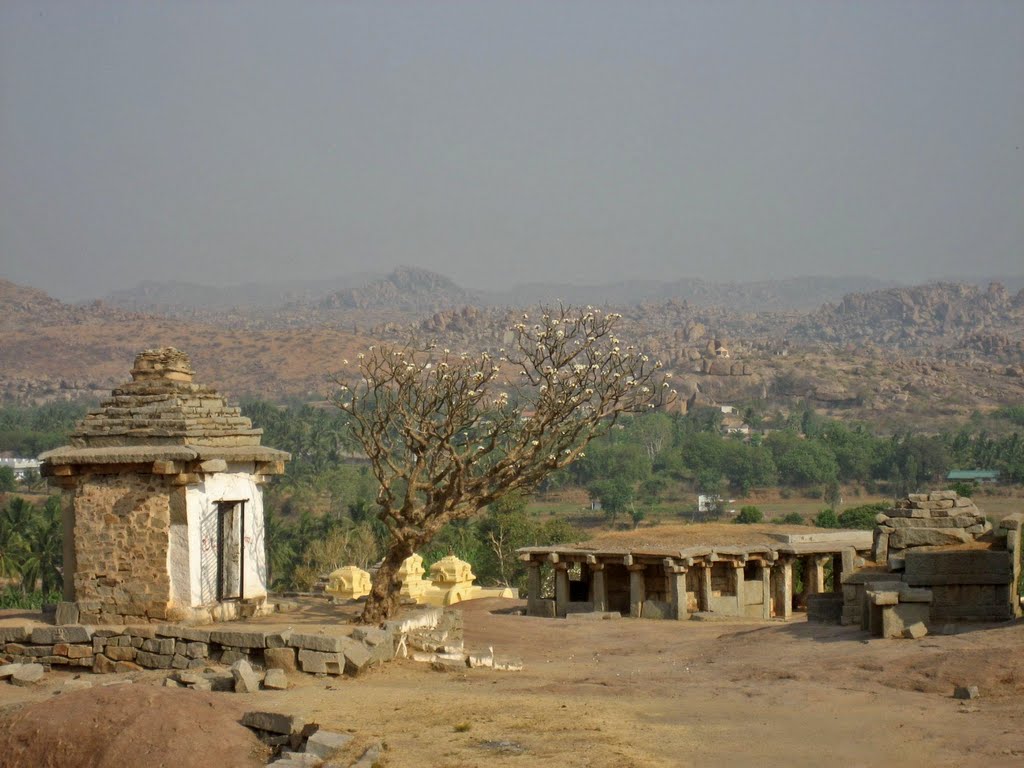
429	635
121	539
927	519
825	608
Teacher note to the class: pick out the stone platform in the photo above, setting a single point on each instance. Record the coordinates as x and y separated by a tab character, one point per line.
316	638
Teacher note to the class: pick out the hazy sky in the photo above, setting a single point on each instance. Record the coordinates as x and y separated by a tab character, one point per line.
498	143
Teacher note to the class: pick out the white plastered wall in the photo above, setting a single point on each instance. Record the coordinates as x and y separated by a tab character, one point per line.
237	484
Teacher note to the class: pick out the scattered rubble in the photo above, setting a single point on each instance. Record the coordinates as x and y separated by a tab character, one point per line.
294	741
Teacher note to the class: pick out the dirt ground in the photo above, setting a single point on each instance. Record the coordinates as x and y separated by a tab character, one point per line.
659	693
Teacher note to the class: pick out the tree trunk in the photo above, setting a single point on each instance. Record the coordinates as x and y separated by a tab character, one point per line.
383	601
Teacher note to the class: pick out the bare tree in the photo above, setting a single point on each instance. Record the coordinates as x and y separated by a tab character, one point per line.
448	433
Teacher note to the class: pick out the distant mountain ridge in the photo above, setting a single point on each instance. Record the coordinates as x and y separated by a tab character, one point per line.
955	346
796	293
421	290
174	296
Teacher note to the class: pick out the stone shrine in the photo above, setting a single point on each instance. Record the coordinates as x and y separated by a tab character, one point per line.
164	519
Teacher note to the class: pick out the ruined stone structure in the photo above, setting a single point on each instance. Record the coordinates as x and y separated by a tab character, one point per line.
667	582
937	560
926	519
164	518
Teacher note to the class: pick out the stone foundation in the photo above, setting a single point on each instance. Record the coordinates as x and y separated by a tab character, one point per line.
430	635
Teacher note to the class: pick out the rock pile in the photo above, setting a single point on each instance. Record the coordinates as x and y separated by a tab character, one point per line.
298	742
926	519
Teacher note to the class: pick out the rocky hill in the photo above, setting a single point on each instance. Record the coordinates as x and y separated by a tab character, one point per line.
935	352
56	351
408	289
952	317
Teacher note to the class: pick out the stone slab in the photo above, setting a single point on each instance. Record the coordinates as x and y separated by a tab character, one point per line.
321	643
239	639
181	632
926	537
324	744
246	678
74	633
15	634
991	564
318	662
357	659
28	674
275	722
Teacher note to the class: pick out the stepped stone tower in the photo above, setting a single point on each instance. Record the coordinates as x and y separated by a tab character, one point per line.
165	513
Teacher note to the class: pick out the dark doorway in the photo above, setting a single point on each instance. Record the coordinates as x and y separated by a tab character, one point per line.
617	582
230	556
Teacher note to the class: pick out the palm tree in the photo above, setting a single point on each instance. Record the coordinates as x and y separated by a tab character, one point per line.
31	547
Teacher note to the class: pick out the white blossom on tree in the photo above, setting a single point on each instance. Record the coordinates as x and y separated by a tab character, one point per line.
448	433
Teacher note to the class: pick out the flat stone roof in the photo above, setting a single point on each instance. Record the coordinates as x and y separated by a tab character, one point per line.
141	454
702	540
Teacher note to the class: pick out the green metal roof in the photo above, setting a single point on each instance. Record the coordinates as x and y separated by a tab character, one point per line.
973	474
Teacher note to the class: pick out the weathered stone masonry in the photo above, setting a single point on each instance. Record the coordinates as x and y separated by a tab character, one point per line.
165	514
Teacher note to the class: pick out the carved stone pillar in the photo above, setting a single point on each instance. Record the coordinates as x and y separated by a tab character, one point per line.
677	591
561	589
637	590
532	587
598	589
741	597
704	599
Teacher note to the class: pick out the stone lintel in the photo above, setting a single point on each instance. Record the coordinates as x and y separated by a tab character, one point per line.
270	467
167	467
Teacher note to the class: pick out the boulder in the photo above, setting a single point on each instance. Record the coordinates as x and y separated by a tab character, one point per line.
276	680
28	674
324	744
